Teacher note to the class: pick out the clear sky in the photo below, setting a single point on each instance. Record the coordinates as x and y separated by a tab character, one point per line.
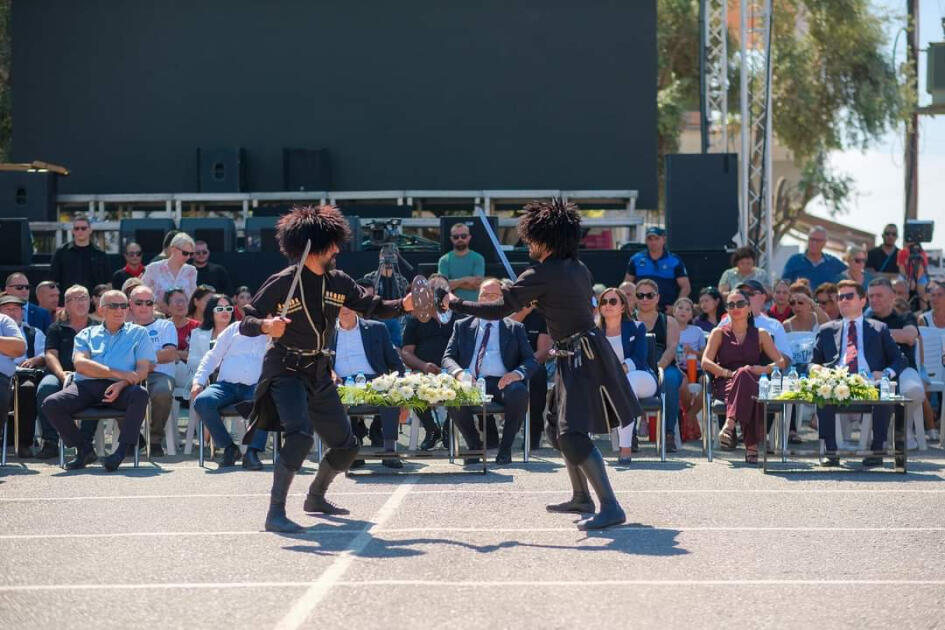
878	172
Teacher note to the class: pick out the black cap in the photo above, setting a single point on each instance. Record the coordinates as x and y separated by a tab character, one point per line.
754	285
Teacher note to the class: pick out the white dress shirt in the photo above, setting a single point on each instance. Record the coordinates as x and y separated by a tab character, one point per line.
861	362
350	358
239	358
492	364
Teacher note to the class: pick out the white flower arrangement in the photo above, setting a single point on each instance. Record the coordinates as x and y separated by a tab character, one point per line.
415	390
832	386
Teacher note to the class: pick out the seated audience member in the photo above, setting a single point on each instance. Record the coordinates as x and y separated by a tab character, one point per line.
29	366
536	329
216	317
60	341
628	339
110	360
666	331
737	355
239	359
363	346
855	258
176	309
12	346
826	296
173	271
807	315
161	385
497	351
198	301
241	298
711	309
905	332
424	345
743	269
813	264
19	286
859	343
47	297
630	292
692	339
130	285
134	265
781	303
900	287
935	317
757	297
97	291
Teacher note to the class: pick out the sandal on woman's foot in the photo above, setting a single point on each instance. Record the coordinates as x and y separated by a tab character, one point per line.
727	438
751	457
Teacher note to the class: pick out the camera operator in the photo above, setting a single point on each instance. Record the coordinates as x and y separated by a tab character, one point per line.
389	284
913	262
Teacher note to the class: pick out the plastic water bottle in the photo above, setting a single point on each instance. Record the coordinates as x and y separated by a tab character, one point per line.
866	376
465	378
481	386
349	382
775	389
408	372
884	387
792	380
681	357
764	386
360	381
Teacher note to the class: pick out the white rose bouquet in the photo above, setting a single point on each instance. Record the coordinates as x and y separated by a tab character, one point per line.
832	386
415	390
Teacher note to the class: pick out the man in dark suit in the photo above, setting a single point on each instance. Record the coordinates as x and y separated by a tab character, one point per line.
499	352
859	344
18	285
364	347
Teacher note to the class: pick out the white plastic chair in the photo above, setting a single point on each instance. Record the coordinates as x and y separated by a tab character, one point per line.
933	344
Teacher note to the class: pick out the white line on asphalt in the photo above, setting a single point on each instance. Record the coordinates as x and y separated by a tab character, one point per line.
495	491
467	530
304	606
14	588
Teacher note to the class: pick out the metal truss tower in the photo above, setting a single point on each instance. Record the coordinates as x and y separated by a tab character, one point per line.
714	16
755	174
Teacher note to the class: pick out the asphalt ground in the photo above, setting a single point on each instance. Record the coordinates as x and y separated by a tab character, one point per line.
172	545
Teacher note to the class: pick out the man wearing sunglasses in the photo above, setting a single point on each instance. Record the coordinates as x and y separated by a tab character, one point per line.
208	272
134	265
815	265
79	261
36	316
462	266
859	343
662	267
882	259
163	336
110	360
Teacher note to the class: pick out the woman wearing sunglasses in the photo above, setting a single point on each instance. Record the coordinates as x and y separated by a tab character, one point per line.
173	271
217	316
628	339
807	315
734	357
855	259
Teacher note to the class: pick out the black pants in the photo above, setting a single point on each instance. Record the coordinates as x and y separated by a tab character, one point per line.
26	406
321	413
62	406
537	397
514	398
827	424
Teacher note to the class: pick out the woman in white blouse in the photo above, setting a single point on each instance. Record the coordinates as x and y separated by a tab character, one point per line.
217	316
173	271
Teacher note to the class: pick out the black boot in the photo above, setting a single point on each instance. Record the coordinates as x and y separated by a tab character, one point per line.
251	460
610	511
316	502
84	456
432	437
581	501
276	520
113	461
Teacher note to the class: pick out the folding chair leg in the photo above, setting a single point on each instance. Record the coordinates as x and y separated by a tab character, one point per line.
414	431
661	430
170	432
62	454
527	441
3	455
199	442
193	424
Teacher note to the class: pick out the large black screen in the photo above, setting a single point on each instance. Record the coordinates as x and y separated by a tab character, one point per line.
408	94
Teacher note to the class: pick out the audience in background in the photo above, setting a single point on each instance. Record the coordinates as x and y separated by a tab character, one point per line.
95	300
47	297
12	345
60	342
807	315
241	298
209	273
134	265
814	264
666	331
826	296
692	339
935	317
882	259
29	371
176	308
165	252
629	291
216	317
173	271
781	303
743	269
462	266
711	309
664	268
18	286
914	267
79	261
199	300
390	284
855	258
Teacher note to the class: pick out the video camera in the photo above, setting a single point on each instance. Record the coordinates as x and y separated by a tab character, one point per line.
918	232
383	231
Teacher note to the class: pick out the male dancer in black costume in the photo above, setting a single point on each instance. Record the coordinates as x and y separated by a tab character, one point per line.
591	393
295	393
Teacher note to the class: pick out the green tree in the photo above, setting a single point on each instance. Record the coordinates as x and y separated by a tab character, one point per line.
834	87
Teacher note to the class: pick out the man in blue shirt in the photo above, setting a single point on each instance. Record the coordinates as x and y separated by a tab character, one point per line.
662	267
110	360
12	346
814	264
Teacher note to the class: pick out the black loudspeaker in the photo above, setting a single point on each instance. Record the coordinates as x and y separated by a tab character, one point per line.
218	233
705	267
261	234
306	169
480	241
701	201
221	170
16	243
148	233
29	194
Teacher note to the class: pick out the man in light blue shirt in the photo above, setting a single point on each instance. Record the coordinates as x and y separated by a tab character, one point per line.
12	346
110	360
814	264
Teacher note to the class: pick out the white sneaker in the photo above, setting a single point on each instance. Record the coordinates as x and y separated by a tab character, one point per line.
932	435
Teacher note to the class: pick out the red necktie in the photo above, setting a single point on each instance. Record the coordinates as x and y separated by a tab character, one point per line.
851	355
482	349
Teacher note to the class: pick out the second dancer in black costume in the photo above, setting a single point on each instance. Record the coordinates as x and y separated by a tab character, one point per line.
298	308
591	393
